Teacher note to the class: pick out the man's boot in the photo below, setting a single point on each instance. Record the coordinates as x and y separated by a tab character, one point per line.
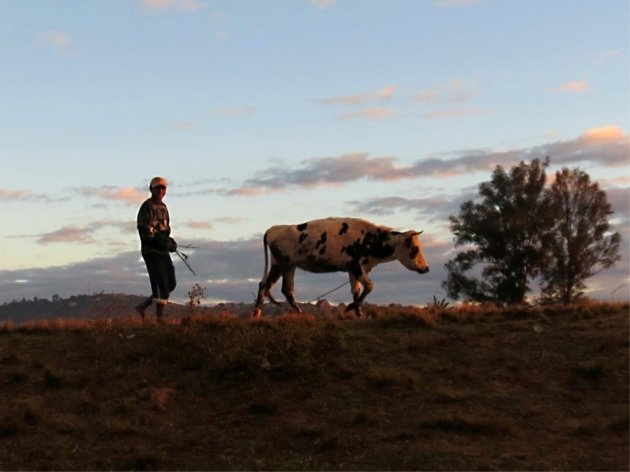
160	311
142	307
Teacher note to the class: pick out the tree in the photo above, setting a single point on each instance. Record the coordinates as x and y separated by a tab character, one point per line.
580	243
504	236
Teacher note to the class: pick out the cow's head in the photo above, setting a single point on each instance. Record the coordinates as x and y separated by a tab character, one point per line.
409	251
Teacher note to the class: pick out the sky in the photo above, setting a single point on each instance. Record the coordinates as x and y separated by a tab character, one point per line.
281	111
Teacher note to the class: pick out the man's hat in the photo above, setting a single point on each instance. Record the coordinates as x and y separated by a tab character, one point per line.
157	181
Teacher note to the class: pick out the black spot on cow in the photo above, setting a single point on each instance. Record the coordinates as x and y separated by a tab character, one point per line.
343	249
302	227
372	245
302	237
344	228
322	240
414	252
322	250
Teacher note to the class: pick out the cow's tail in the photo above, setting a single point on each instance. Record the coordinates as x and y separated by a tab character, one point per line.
265	250
263	291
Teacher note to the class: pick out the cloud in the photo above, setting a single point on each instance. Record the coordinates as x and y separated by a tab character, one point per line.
83	235
67	234
573	86
126	195
430	209
456	91
12	195
385	93
607	146
360	166
199	225
603	134
370	113
56	39
323	4
322	171
21	195
185	6
619	199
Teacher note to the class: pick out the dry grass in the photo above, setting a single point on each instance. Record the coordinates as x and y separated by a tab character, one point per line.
462	388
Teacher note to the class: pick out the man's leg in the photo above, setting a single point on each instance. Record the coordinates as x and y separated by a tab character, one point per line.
165	278
142	307
160	312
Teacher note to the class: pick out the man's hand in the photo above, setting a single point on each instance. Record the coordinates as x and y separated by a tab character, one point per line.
172	245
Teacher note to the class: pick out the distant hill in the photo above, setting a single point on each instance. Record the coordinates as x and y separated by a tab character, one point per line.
116	305
76	306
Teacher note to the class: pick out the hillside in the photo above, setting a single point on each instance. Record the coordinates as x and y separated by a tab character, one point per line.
410	389
110	305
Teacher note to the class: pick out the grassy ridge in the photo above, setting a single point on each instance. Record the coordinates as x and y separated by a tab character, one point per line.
473	388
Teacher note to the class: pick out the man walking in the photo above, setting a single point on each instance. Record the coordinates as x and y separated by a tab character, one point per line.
156	244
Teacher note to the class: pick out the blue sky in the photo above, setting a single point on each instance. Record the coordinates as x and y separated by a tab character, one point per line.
267	112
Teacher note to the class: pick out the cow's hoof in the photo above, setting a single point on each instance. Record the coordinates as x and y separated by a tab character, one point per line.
257	313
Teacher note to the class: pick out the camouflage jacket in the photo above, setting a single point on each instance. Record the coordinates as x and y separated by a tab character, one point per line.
154	227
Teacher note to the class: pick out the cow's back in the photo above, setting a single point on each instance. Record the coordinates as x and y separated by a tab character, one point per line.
325	245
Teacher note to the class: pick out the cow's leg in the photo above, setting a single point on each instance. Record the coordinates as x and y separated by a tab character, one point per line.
274	275
264	290
288	288
358	295
355	289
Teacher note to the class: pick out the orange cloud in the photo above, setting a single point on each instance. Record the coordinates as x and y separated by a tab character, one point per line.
573	86
200	225
453	91
352	100
128	195
370	113
57	39
67	234
13	194
604	134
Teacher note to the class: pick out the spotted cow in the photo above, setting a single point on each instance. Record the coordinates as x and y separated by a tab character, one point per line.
347	245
